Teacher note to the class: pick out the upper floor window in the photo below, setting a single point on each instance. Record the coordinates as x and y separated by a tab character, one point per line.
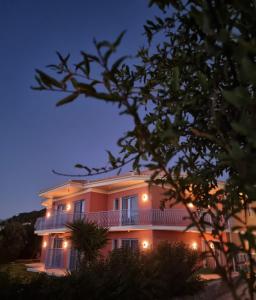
79	209
61	207
116	204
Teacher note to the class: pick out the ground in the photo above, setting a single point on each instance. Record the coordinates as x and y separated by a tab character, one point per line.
17	270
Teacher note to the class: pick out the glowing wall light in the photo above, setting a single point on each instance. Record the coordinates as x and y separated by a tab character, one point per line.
65	244
48	214
44	244
194	246
144	197
190	205
68	207
145	244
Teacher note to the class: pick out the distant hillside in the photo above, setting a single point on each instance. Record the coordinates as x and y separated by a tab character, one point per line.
26	217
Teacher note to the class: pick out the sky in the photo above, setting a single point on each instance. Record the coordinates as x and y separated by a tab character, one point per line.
36	136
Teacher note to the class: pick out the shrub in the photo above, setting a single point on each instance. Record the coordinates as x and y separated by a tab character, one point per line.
168	272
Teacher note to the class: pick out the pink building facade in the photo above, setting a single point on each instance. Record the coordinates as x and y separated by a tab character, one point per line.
126	204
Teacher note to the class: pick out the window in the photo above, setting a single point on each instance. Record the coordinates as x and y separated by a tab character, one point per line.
61	208
79	210
114	244
57	243
130	243
116	204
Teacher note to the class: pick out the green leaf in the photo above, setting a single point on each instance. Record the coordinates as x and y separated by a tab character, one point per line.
48	80
68	99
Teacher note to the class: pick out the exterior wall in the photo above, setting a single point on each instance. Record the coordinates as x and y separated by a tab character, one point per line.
140	235
98	202
129	192
157	195
174	236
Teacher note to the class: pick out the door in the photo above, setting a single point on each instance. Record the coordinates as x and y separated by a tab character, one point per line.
79	210
130	210
73	260
55	254
60	215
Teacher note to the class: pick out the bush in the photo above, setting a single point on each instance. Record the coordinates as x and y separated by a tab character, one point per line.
168	272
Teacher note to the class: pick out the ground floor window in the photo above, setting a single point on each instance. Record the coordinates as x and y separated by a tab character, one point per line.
130	243
115	244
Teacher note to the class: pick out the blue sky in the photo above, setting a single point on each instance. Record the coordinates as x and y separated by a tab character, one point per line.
37	137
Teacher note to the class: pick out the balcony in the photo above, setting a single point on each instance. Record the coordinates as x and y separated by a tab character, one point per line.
118	219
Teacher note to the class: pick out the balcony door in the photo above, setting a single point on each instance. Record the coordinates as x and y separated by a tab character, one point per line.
54	255
130	210
60	217
79	210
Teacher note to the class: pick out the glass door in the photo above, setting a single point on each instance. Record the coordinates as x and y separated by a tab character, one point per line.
79	210
129	210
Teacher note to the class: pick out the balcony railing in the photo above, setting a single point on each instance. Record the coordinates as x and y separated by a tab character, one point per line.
166	217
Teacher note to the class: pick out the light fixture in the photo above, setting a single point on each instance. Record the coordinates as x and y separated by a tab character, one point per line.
211	244
190	205
145	244
194	246
68	207
44	244
48	214
65	244
144	197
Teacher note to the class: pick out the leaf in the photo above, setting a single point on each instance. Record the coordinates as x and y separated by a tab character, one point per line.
117	63
68	99
111	159
63	60
119	39
48	80
149	33
85	88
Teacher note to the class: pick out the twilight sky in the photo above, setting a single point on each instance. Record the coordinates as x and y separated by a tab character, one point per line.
37	137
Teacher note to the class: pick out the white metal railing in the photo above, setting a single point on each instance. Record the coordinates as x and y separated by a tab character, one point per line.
166	217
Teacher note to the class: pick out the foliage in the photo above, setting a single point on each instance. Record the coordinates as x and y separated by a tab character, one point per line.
123	275
87	238
12	240
17	238
26	217
191	96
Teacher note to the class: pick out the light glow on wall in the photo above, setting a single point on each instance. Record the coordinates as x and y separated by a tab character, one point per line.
211	244
48	214
68	207
190	205
144	197
145	244
194	246
44	244
65	244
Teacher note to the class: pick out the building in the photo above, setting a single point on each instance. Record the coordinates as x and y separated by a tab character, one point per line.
126	204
